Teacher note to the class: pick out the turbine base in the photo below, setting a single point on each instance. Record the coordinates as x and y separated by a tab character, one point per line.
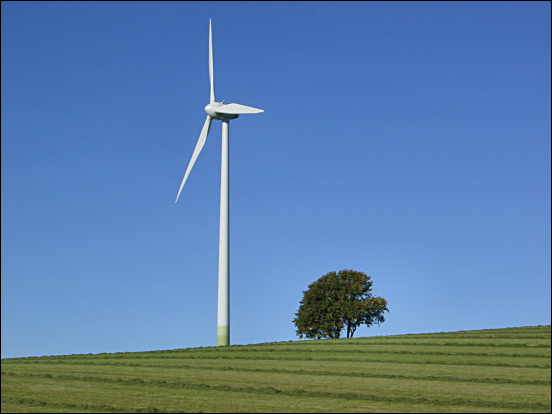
223	336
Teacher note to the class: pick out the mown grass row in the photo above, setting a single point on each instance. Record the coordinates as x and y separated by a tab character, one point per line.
510	373
69	407
483	380
302	352
419	359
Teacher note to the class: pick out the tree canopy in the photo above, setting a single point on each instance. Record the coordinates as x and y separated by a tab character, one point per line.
338	301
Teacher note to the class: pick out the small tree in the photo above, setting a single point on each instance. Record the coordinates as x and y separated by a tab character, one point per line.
338	301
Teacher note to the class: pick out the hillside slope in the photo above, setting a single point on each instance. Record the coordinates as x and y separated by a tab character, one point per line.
498	370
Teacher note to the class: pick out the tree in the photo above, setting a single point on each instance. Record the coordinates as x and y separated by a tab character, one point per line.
338	301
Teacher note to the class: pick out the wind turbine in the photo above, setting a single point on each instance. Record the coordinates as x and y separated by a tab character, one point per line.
222	112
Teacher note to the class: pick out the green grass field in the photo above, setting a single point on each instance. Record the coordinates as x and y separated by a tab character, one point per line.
496	370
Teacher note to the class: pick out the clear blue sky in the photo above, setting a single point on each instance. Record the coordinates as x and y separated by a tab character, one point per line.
410	141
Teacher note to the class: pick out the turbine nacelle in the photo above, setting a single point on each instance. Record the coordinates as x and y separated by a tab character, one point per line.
225	112
212	108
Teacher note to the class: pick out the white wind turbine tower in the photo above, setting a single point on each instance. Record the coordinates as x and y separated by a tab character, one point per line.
223	112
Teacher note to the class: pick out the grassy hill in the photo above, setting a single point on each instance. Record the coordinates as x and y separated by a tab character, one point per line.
496	370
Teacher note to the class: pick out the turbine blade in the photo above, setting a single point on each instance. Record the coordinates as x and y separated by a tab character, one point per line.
211	75
197	150
235	109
